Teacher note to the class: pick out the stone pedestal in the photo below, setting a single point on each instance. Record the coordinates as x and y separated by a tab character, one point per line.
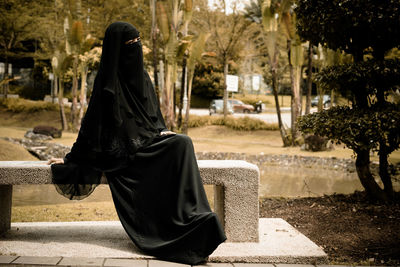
5	207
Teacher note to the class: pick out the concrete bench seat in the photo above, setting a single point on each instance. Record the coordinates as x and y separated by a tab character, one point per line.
235	183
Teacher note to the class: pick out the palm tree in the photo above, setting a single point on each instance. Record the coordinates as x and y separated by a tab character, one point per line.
267	14
173	16
195	52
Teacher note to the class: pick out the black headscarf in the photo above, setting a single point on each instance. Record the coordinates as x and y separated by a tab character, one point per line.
123	115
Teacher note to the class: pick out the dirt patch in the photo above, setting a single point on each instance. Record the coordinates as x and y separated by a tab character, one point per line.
10	151
349	228
30	119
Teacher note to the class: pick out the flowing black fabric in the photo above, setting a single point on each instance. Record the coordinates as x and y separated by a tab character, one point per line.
154	179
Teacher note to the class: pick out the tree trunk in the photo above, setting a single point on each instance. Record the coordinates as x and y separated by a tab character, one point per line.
225	88
294	103
183	88
278	109
63	118
309	79
154	42
174	100
274	66
189	96
366	178
82	96
55	88
74	107
320	98
167	98
383	170
5	78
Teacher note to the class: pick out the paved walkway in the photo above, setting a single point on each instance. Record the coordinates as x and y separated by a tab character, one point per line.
109	262
112	262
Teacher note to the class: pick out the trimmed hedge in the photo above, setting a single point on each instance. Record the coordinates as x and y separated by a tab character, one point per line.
241	124
18	105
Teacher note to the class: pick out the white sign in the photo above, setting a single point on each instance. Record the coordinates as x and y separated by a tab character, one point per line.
3	67
232	83
256	82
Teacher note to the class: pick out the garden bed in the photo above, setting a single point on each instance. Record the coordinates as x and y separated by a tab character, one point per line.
349	228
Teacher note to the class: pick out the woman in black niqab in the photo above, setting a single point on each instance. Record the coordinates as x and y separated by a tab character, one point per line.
152	172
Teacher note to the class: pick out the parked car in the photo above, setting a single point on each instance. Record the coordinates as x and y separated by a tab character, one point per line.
217	107
326	101
240	107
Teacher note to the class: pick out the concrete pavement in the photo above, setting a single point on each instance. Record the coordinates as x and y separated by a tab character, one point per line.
100	243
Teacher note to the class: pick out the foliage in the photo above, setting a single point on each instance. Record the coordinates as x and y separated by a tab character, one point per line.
315	143
228	34
241	124
366	29
277	23
351	26
358	129
208	81
228	31
16	26
18	105
368	76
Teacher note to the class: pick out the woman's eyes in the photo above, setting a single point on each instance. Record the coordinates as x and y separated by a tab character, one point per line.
134	44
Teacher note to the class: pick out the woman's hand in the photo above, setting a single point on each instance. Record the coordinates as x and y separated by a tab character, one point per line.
167	133
55	161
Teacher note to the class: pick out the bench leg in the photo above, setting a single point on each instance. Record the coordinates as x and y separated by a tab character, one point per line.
5	207
219	198
241	213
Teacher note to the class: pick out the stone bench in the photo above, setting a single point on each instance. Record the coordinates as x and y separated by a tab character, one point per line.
235	192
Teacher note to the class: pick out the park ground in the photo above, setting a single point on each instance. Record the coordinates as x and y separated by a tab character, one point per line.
349	228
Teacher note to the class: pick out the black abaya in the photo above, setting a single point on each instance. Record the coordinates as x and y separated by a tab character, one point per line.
162	205
154	179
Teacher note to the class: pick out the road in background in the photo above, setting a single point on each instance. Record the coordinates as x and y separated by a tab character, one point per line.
269	117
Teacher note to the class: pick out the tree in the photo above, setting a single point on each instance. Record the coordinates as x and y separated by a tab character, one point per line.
89	59
268	14
208	81
309	77
367	30
61	62
195	51
17	23
295	59
173	18
228	32
50	36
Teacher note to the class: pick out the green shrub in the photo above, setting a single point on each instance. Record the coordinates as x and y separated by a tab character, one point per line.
18	105
240	124
198	121
249	124
199	102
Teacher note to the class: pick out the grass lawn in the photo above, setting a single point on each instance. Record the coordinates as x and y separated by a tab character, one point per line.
222	139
